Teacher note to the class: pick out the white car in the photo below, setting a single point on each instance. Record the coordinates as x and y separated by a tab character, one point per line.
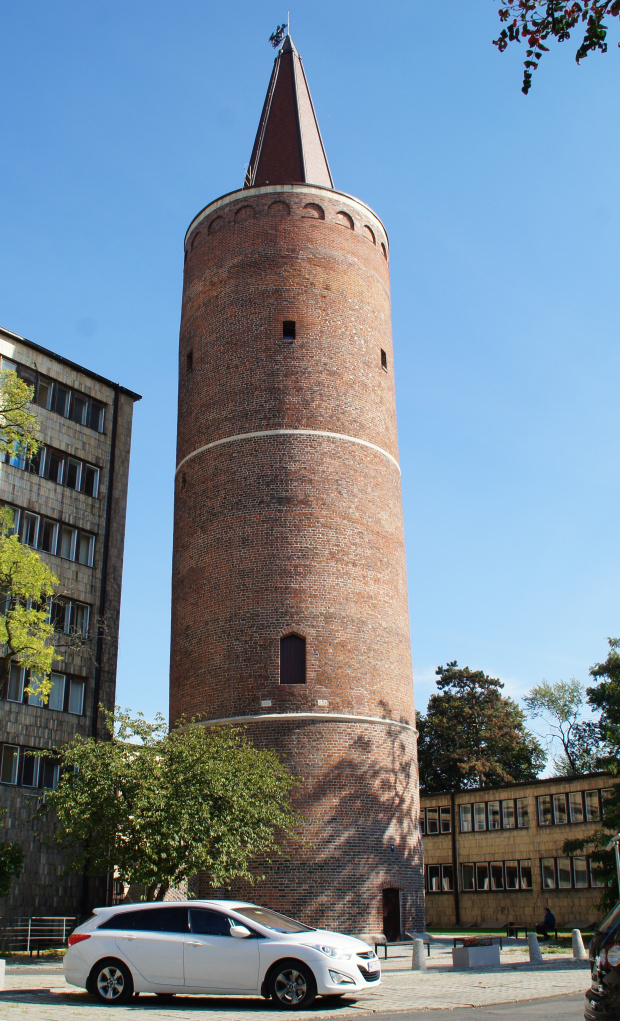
217	947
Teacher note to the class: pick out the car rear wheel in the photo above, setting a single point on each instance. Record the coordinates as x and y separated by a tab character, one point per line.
292	985
110	982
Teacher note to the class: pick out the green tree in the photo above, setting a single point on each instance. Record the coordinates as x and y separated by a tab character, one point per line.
19	427
157	806
605	697
26	583
11	863
560	706
472	735
536	22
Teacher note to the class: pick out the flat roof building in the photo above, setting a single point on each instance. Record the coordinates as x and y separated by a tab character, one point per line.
69	504
494	855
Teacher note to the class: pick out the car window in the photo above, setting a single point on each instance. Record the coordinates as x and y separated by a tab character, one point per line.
209	923
272	919
160	919
612	920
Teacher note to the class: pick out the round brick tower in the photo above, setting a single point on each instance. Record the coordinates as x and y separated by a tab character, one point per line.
289	604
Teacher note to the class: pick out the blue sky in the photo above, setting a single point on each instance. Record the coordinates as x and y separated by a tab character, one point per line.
119	121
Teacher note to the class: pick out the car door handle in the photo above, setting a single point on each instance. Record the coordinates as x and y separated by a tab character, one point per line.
129	937
194	943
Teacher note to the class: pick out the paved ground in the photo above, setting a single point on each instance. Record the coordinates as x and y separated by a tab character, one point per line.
36	991
560	1008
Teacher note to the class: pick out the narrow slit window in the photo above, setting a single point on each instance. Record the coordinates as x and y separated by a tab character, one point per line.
292	660
189	361
383	360
288	329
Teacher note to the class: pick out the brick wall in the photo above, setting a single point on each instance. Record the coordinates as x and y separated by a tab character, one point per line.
299	531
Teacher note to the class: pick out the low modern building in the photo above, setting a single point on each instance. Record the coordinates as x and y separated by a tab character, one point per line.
494	855
69	504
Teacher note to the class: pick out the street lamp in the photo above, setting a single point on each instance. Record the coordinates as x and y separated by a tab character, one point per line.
615	842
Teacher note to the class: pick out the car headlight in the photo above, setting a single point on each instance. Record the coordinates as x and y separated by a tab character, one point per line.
613	956
333	952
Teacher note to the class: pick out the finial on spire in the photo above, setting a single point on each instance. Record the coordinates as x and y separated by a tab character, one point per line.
276	37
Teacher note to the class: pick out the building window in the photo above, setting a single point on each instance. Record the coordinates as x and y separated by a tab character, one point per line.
525	872
57	693
447	878
30	529
547	867
580	872
292	660
508	815
383	360
422	822
593	813
433	872
68	540
50	774
10	763
446	819
288	329
512	875
480	818
497	875
465	818
559	809
467	877
575	805
482	875
30	769
69	616
76	696
189	361
90	484
432	821
493	813
15	688
564	874
86	549
544	810
606	795
523	814
595	880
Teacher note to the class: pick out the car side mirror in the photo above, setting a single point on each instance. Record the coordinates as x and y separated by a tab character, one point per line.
240	931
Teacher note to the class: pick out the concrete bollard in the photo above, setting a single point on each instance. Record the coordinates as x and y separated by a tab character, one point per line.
2	971
579	951
534	948
418	960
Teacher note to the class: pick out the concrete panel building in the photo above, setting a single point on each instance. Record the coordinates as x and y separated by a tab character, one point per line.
289	606
494	855
69	504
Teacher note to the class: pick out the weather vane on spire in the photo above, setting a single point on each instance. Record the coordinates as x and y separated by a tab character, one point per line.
276	37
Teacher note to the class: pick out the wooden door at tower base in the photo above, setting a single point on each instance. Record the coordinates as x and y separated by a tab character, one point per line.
391	914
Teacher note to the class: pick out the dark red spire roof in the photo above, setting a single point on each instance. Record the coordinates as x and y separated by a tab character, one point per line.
288	147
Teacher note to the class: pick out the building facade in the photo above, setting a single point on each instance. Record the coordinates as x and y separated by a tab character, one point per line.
289	605
69	504
494	855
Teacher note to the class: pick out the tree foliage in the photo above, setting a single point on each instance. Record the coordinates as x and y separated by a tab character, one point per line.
472	735
535	22
605	697
158	806
19	427
11	863
560	706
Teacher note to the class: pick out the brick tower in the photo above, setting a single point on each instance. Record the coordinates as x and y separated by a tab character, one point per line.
289	605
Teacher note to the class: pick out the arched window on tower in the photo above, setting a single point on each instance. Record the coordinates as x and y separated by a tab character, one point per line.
292	660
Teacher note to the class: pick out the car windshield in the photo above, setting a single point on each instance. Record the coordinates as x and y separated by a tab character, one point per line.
273	919
612	921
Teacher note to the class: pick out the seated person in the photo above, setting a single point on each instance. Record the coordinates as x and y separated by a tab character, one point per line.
548	924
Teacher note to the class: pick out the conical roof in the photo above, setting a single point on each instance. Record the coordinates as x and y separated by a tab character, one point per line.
288	148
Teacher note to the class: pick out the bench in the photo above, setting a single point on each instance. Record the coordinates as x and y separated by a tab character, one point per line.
400	943
513	929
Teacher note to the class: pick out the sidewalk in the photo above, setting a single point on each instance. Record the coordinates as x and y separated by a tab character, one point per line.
41	994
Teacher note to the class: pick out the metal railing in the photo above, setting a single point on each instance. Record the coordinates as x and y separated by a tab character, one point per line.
42	932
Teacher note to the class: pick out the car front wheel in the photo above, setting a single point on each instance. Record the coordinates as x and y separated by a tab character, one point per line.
292	985
111	983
